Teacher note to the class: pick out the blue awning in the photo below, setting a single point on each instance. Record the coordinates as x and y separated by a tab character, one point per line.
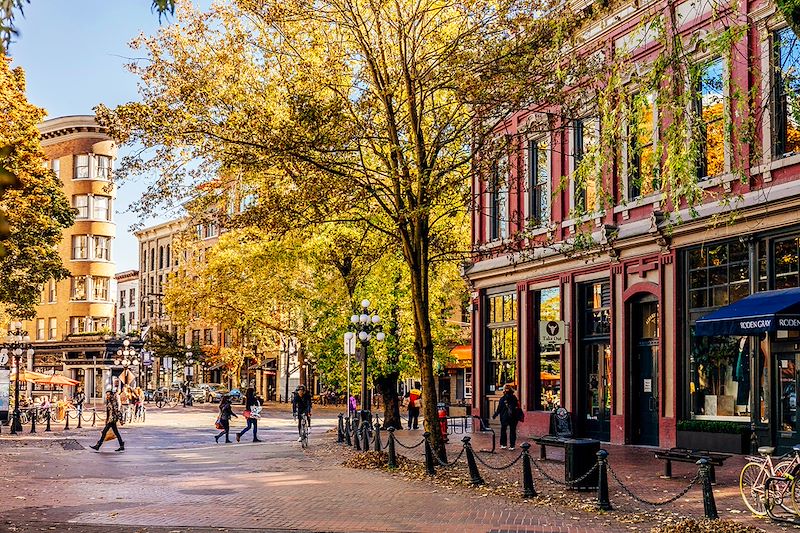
757	313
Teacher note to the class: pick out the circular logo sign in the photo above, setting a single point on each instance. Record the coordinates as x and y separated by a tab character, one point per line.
552	328
3	359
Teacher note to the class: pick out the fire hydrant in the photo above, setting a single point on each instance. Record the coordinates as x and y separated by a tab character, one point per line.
443	420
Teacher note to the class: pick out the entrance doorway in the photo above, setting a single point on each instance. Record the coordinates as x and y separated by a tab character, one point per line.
787	384
594	361
644	371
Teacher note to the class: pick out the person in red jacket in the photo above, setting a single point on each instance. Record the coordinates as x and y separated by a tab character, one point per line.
414	401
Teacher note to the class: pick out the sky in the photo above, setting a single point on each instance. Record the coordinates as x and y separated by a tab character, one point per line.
74	54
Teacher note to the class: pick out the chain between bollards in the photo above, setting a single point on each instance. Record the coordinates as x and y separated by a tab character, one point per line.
709	505
429	468
528	490
392	452
603	503
340	430
475	476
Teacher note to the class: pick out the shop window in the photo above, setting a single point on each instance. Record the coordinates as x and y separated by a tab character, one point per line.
710	113
501	341
597	310
548	304
642	169
538	182
786	89
719	367
787	265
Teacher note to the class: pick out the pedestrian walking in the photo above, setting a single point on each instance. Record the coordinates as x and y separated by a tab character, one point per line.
414	397
252	412
78	400
224	420
113	416
509	412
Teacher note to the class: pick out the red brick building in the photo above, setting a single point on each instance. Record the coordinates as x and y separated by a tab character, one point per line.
631	366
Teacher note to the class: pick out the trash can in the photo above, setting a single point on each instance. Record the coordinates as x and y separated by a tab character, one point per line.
580	455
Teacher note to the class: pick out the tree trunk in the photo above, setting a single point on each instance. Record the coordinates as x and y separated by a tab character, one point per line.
391	403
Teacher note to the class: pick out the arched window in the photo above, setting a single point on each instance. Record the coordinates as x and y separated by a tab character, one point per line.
167	261
153	259
160	257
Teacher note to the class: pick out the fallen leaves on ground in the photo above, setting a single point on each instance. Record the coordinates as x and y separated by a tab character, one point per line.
706	526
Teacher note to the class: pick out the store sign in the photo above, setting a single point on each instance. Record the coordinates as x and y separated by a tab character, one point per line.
552	332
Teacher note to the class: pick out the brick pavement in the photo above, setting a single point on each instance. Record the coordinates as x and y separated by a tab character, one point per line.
172	476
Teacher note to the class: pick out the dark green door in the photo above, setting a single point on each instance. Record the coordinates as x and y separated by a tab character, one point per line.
644	372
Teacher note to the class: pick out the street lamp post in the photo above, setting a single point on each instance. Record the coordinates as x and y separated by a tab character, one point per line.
187	373
363	326
126	357
17	343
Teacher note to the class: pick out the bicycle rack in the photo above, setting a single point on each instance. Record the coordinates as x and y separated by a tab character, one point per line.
770	508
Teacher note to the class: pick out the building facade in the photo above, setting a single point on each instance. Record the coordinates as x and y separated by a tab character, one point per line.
127	320
76	313
609	333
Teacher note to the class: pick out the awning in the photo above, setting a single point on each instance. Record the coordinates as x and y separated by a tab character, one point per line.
757	313
463	355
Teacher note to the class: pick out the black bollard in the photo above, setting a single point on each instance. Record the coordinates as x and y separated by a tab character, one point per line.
354	428
474	475
357	439
347	438
47	419
392	452
80	416
527	476
66	417
365	436
429	469
753	440
377	447
339	430
709	505
33	424
94	418
603	502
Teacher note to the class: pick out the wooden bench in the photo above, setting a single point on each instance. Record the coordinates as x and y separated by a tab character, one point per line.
560	432
684	455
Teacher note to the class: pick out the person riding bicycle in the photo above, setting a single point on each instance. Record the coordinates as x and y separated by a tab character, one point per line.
301	405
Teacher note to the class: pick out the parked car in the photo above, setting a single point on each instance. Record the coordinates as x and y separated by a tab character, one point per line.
237	396
210	391
198	394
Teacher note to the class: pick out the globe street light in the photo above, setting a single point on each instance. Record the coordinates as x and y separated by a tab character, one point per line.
364	326
126	356
17	343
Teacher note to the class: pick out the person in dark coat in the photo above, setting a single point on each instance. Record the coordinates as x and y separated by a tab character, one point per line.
225	414
113	416
252	410
508	411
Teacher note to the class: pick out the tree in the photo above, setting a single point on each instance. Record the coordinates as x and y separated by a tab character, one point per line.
344	110
36	209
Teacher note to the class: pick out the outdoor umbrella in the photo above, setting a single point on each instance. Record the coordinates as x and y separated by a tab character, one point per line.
27	375
56	379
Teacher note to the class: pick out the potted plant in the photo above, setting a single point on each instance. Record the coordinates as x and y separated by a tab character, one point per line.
714	436
713	356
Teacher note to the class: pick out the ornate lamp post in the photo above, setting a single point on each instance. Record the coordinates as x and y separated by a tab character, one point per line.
126	357
363	326
17	343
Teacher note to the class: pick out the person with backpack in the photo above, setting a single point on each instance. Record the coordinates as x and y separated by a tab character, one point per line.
414	399
510	413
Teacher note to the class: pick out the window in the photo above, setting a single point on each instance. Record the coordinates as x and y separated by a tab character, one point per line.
501	338
40	329
122	298
584	142
52	328
787	263
195	337
548	308
103	168
160	257
786	87
709	108
719	367
132	296
132	319
51	291
81	203
77	324
122	322
498	203
81	167
100	285
102	247
207	337
642	167
80	247
538	182
101	208
199	230
153	259
56	166
144	259
166	262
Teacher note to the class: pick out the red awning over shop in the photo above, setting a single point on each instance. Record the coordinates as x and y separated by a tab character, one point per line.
463	355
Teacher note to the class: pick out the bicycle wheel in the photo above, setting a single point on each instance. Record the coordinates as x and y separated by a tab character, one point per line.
160	403
751	485
304	432
795	488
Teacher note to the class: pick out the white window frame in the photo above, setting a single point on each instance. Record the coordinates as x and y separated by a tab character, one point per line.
80	247
82	161
52	328
102	284
626	150
40	329
83	210
74	285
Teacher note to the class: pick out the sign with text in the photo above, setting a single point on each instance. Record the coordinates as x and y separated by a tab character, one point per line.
552	332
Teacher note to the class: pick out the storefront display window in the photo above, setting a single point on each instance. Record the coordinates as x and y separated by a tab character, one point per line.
719	367
787	266
549	309
501	334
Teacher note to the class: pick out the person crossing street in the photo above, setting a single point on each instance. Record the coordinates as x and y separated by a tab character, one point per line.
113	416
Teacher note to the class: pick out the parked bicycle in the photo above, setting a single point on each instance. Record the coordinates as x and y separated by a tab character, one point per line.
303	423
162	398
759	495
